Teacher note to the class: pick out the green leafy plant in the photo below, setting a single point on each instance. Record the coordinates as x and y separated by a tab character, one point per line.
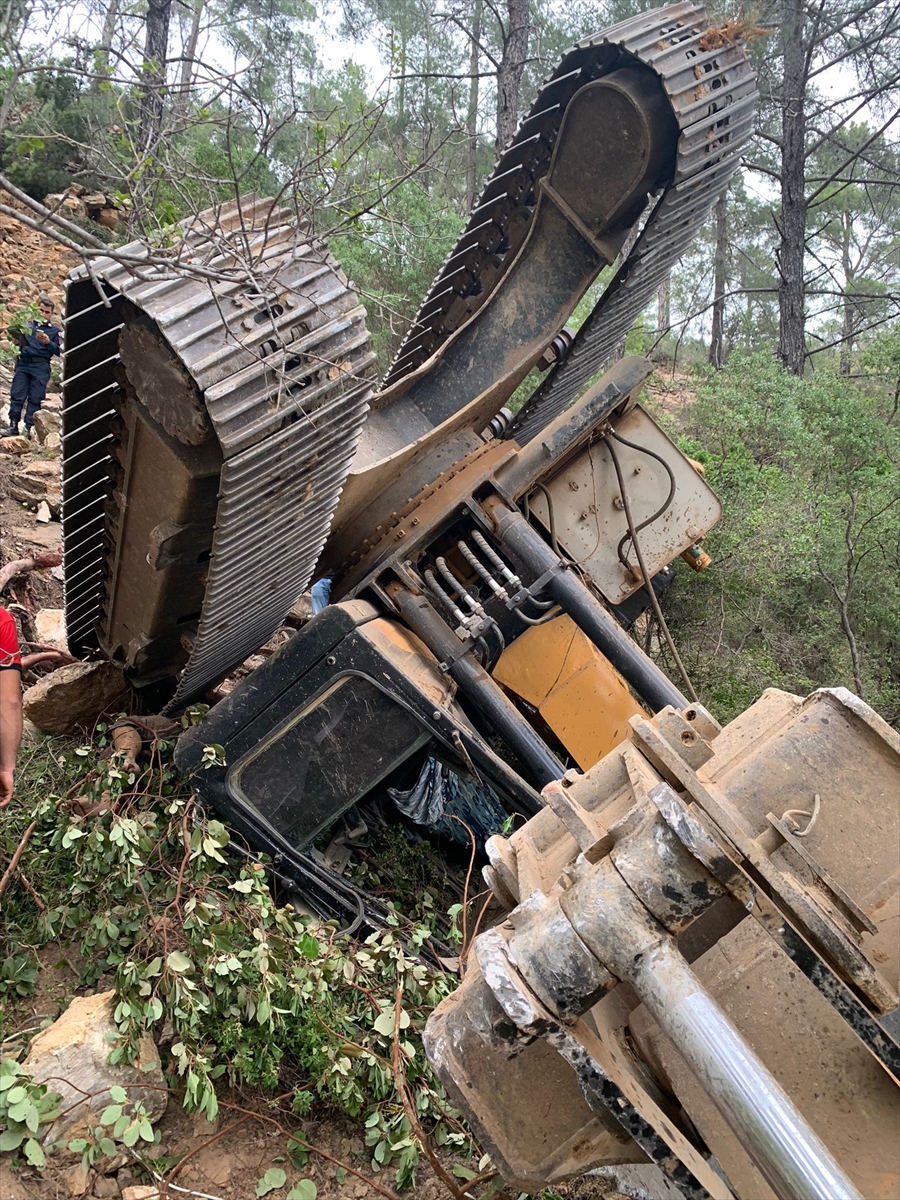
304	1190
20	322
18	974
24	1107
273	1179
123	1122
255	993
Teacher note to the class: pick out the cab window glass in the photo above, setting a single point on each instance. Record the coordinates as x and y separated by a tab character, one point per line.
325	758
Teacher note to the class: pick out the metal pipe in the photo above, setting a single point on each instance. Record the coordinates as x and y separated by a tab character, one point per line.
565	587
792	1157
477	685
619	930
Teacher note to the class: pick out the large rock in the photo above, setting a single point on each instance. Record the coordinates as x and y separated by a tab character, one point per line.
50	628
46	421
73	697
15	445
71	1058
37	482
69	205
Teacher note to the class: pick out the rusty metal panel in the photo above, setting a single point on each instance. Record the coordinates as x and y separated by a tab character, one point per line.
588	518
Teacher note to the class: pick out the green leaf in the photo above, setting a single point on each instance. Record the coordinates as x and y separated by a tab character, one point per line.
18	1112
35	1154
131	1133
107	1146
309	947
111	1114
77	1145
118	1094
11	1139
274	1178
304	1190
462	1172
16	1095
385	1024
179	963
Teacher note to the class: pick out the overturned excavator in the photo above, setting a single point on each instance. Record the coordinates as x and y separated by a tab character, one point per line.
698	964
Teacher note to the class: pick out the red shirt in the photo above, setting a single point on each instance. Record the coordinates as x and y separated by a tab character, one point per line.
9	643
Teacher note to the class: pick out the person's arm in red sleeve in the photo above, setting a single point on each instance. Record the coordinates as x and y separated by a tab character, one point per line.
10	704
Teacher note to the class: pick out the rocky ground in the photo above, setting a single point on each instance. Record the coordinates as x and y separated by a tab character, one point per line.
30	263
29	479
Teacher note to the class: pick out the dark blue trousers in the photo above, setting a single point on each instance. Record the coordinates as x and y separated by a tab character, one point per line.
28	389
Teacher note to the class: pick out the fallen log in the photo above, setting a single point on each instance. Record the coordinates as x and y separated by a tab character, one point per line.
21	566
59	658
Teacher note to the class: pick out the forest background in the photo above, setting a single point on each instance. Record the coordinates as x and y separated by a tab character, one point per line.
777	340
379	119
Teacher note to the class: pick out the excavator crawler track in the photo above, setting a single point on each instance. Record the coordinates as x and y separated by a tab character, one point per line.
712	93
211	407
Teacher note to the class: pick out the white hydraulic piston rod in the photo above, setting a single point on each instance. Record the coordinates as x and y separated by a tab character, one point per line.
796	1163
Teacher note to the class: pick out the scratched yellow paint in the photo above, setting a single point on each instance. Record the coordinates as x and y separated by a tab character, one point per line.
577	691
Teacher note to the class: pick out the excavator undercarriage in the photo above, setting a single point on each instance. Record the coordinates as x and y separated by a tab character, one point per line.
694	962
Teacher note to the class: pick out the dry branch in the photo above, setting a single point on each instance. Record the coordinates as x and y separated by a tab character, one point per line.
21	566
14	861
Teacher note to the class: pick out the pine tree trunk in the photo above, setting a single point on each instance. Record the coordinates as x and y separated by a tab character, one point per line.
849	322
509	73
717	337
401	95
472	114
791	290
663	307
106	40
190	51
153	75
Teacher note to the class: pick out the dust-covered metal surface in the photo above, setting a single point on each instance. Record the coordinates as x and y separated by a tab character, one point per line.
671	505
713	95
640	110
693	900
211	407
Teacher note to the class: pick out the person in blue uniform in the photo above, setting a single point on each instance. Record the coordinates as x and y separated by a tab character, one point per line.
32	374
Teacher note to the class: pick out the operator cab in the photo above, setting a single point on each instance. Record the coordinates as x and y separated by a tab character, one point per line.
352	704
